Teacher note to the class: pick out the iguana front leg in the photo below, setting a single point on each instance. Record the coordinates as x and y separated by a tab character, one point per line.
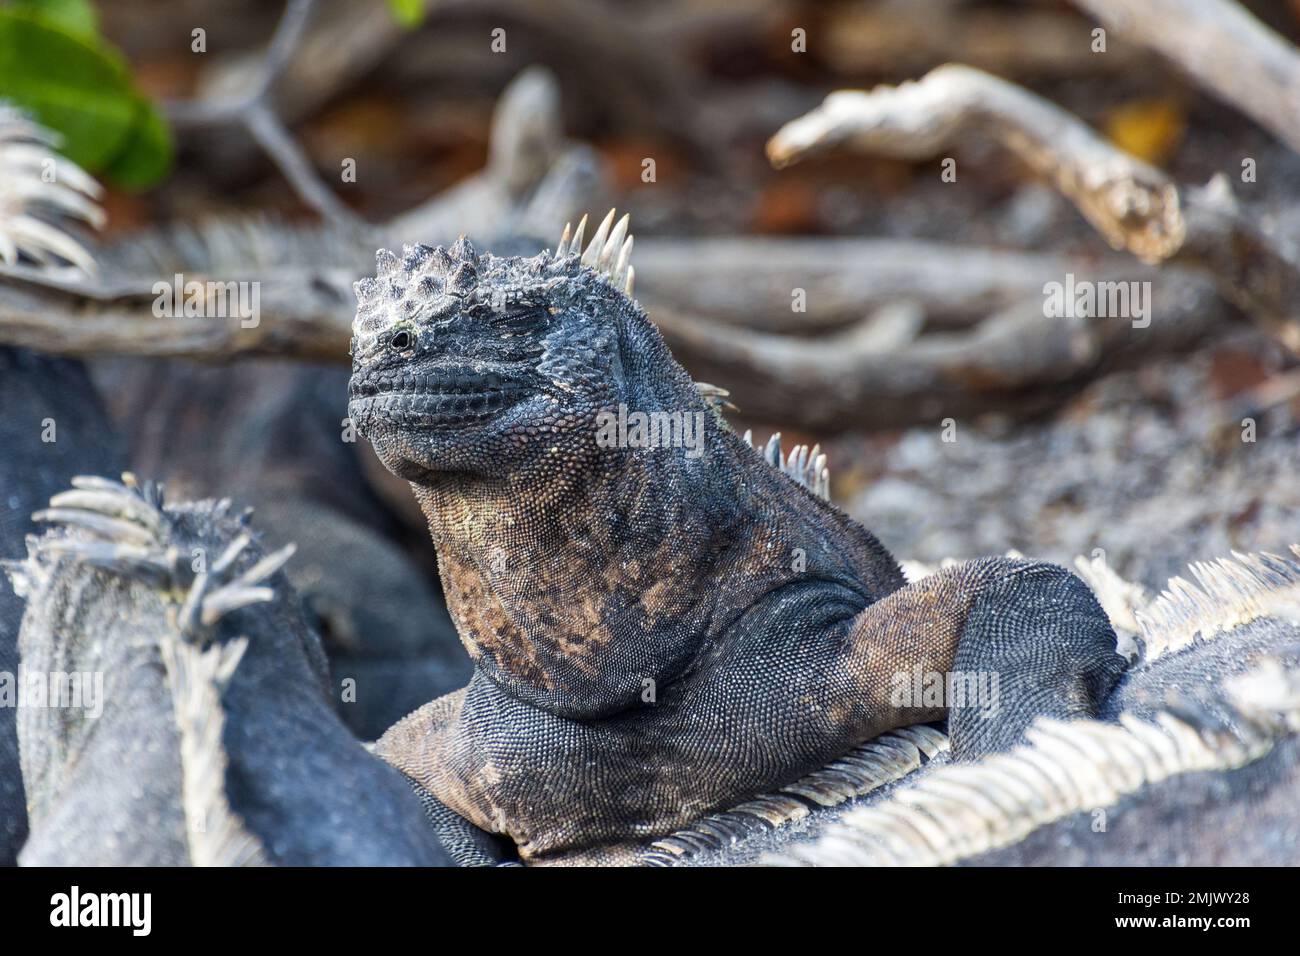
998	642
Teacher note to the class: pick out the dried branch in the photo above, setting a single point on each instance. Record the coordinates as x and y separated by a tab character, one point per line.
254	111
878	373
309	322
225	108
1018	360
1135	206
534	179
928	346
1012	40
748	281
1130	203
1224	47
734	282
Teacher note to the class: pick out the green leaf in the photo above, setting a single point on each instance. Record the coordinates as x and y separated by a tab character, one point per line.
409	13
147	155
80	88
68	84
78	17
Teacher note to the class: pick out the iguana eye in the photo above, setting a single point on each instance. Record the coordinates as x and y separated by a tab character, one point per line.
401	341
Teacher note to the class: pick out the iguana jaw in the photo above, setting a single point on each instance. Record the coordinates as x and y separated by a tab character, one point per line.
435	399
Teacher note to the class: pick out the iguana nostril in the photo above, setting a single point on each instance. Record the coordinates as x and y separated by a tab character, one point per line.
401	341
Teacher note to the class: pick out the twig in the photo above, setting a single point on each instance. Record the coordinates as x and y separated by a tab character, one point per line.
265	127
288	35
255	113
1133	205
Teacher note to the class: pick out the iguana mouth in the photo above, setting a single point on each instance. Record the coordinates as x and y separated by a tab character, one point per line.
444	398
434	409
440	383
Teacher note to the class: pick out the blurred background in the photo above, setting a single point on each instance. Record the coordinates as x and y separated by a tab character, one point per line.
699	86
951	430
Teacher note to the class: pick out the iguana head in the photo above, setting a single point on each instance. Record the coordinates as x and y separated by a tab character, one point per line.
469	362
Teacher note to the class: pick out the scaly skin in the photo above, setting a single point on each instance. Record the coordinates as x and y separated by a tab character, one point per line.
41	398
258	767
657	631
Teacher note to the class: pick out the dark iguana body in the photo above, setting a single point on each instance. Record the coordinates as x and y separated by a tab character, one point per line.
217	742
52	426
658	632
268	434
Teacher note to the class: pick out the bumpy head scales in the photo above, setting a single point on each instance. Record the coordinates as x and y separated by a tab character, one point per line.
468	362
404	286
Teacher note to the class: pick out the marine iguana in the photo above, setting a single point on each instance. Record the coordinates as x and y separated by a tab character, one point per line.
216	743
52	425
659	630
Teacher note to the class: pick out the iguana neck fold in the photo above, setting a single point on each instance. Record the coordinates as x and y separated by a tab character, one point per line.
577	586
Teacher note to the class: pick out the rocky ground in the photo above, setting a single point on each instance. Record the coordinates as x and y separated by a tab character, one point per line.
1153	466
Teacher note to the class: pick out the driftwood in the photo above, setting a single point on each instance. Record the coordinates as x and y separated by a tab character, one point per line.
85	319
889	331
1018	360
736	284
750	282
911	334
1135	206
878	373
